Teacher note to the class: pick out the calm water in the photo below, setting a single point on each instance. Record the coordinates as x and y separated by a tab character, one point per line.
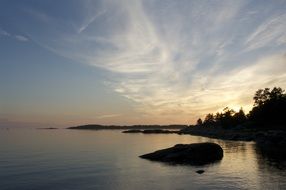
73	159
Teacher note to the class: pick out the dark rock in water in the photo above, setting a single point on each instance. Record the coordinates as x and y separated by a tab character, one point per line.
200	171
194	154
150	131
132	131
48	128
157	131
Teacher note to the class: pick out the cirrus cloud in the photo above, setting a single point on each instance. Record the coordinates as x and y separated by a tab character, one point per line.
178	59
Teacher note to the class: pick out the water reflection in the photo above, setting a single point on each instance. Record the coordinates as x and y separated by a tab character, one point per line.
271	156
65	159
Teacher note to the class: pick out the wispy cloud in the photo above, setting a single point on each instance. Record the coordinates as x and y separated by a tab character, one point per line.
179	58
21	38
269	33
90	20
4	33
108	116
9	35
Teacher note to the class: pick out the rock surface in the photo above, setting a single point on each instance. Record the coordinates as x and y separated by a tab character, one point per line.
194	154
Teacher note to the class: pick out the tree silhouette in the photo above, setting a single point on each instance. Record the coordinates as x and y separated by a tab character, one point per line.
269	107
199	121
209	119
240	117
269	110
227	119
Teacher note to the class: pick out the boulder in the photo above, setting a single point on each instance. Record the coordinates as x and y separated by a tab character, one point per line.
132	131
194	154
200	171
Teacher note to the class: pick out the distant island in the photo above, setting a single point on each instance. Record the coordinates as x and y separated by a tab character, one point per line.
48	128
127	127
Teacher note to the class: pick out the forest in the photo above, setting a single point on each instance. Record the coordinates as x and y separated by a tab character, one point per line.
269	111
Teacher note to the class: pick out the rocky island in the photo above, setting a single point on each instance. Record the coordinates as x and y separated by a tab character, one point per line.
193	154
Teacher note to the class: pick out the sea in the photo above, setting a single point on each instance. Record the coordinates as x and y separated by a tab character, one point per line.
63	159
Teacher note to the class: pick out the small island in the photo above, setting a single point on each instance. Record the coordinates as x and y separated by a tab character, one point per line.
150	131
48	128
127	127
192	154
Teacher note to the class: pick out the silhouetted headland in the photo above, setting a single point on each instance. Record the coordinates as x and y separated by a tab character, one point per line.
265	123
193	154
126	127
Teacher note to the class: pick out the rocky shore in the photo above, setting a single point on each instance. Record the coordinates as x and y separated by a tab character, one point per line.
269	137
271	143
274	140
263	137
219	133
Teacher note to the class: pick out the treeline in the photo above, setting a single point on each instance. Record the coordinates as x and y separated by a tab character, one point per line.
269	111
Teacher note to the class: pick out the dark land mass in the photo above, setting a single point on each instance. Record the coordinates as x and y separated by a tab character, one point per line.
270	143
265	123
48	128
150	131
126	127
263	137
193	154
224	134
270	138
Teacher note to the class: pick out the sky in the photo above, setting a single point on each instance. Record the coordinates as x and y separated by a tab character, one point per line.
123	62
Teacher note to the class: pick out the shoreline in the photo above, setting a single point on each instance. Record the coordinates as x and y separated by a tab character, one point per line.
274	136
223	134
270	142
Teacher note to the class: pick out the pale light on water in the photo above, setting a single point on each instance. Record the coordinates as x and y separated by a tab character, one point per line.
75	159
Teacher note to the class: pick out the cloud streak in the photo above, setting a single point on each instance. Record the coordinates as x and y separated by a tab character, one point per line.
179	59
4	33
271	32
17	37
21	38
108	116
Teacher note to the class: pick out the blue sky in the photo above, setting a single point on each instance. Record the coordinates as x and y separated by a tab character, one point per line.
139	61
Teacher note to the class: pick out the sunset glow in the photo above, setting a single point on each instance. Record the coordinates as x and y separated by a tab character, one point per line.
129	62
